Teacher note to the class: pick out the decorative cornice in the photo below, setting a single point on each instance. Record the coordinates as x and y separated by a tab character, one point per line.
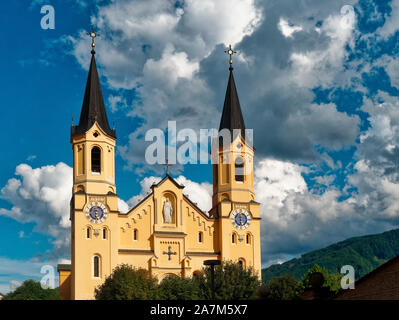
193	253
235	189
135	251
169	233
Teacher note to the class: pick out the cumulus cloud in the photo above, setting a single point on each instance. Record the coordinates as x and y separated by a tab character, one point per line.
319	67
288	29
391	24
116	103
156	48
392	67
173	56
181	73
297	220
123	207
42	196
199	193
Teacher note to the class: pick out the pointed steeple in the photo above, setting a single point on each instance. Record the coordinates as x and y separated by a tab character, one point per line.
232	116
93	108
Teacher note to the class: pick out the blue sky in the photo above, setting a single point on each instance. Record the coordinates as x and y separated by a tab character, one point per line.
318	82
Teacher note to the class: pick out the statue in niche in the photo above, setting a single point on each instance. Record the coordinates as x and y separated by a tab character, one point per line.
167	211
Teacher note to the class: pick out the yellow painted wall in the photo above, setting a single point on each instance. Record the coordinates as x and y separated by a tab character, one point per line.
155	237
65	284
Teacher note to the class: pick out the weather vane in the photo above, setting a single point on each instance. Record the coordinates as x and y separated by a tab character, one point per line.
93	35
230	52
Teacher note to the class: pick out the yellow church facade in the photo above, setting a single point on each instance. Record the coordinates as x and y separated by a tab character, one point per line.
165	233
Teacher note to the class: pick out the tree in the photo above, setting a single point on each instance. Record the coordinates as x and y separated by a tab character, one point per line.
331	281
232	282
284	287
178	288
32	290
128	283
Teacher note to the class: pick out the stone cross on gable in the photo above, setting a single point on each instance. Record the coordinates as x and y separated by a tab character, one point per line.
170	253
167	165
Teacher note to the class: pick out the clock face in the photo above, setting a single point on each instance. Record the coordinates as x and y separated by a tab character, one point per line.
240	219
96	212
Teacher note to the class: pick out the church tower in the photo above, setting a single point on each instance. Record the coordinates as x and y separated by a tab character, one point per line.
94	204
233	198
165	232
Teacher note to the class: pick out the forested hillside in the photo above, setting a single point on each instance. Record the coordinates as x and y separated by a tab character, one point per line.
363	253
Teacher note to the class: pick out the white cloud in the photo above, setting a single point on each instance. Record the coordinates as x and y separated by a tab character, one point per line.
123	207
31	157
313	68
42	196
175	55
116	103
172	66
288	29
145	184
391	24
199	193
392	68
156	48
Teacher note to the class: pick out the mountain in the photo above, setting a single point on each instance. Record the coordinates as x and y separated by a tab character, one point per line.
363	253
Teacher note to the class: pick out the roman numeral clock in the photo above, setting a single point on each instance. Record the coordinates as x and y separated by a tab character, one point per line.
241	219
96	212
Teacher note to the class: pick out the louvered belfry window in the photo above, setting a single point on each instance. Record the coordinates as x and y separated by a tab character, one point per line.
96	160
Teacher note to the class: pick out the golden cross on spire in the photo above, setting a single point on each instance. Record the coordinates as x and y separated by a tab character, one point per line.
230	52
93	35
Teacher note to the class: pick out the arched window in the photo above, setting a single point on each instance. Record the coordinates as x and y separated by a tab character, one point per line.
88	233
96	266
239	169
248	238
105	233
233	238
241	262
225	196
200	237
96	160
135	234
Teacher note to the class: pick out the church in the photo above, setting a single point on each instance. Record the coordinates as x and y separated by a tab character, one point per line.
165	233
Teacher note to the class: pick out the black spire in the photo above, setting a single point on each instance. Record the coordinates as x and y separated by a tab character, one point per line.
93	108
232	116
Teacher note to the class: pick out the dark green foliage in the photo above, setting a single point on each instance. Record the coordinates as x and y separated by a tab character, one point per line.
32	290
363	253
232	282
177	288
282	288
128	283
331	281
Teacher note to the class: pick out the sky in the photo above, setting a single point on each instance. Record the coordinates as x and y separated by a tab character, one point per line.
318	82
